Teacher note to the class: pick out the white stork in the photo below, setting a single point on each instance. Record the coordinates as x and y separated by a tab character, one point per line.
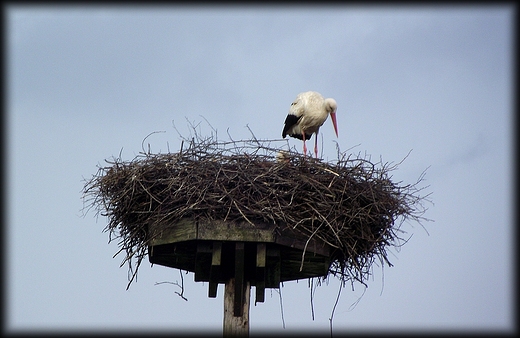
306	115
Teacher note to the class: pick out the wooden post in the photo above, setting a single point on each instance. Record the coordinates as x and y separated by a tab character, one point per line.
236	326
236	298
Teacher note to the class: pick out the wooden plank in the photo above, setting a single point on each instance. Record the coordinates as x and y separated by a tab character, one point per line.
214	273
273	266
175	255
188	229
202	261
183	230
261	254
298	241
231	231
314	265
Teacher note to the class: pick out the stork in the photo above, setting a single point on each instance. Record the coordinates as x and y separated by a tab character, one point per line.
306	115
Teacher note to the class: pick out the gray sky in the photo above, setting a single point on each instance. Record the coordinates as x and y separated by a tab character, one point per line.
84	83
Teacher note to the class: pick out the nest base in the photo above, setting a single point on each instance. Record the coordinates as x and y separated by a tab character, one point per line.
212	251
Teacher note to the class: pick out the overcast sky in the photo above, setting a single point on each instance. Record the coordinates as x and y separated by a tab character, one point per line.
88	83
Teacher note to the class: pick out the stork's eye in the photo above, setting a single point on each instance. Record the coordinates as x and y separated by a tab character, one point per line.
292	104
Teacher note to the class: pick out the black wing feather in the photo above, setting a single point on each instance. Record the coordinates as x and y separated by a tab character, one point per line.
290	121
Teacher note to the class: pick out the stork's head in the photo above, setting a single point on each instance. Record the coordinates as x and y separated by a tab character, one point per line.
330	107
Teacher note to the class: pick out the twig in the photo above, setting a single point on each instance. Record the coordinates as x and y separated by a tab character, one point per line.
334	308
181	294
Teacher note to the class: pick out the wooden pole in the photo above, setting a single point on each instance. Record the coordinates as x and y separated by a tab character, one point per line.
236	326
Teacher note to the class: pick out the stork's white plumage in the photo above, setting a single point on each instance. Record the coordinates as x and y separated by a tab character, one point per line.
283	156
306	115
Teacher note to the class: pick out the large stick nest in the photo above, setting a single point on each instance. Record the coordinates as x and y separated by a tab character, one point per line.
350	204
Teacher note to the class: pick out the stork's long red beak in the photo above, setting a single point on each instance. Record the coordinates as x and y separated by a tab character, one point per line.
333	118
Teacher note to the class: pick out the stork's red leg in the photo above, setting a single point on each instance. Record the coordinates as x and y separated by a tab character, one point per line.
304	146
316	144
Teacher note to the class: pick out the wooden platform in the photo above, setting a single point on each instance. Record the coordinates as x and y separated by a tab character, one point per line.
219	251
